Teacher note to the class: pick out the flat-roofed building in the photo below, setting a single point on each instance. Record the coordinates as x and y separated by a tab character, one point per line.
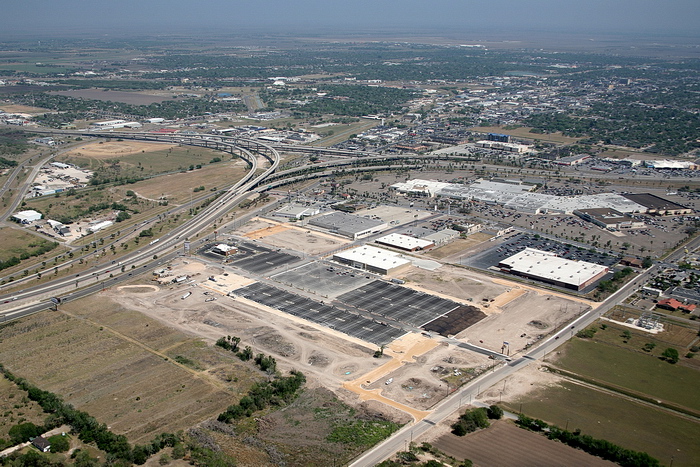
27	217
418	187
348	225
572	160
296	211
373	259
224	249
658	205
109	123
609	219
404	242
442	237
548	267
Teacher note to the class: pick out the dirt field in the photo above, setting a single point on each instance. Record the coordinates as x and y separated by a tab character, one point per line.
121	370
101	150
24	109
178	187
460	247
332	359
460	284
291	236
505	444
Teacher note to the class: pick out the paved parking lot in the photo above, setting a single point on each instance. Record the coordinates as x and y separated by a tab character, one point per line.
259	259
455	321
518	243
398	303
326	315
322	279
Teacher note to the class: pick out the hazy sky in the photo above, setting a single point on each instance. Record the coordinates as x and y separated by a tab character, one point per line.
655	17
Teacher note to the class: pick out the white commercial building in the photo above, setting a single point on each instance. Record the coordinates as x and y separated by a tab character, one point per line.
99	226
109	123
27	217
224	249
516	195
418	187
404	242
297	211
348	225
547	267
372	259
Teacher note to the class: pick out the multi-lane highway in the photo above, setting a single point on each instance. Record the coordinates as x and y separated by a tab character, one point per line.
36	298
29	299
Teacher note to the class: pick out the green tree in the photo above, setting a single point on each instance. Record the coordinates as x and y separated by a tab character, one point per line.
494	412
670	355
59	443
22	432
470	421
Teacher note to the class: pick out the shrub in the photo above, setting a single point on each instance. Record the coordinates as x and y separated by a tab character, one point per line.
470	421
59	443
494	412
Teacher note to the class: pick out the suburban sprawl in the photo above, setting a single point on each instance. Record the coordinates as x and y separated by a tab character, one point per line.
361	252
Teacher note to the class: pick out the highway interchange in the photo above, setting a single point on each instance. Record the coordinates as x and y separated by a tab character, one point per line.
37	298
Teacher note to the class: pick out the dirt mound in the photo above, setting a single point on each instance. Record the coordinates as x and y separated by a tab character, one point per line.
274	342
318	359
538	324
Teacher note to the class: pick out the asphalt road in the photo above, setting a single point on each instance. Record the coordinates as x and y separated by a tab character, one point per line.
400	440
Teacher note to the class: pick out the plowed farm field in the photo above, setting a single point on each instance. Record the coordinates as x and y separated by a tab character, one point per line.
134	374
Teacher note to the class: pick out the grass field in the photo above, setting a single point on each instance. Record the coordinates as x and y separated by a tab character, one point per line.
177	187
114	363
618	420
639	372
16	241
342	132
33	68
127	158
16	408
674	334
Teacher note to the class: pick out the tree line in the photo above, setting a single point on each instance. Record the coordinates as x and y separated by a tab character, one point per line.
277	392
597	447
89	430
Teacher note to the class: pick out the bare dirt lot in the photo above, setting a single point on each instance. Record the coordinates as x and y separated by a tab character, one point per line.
517	314
290	236
505	444
111	149
24	109
334	359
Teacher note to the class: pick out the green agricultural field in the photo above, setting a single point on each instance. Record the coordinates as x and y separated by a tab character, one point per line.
34	68
639	372
626	423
